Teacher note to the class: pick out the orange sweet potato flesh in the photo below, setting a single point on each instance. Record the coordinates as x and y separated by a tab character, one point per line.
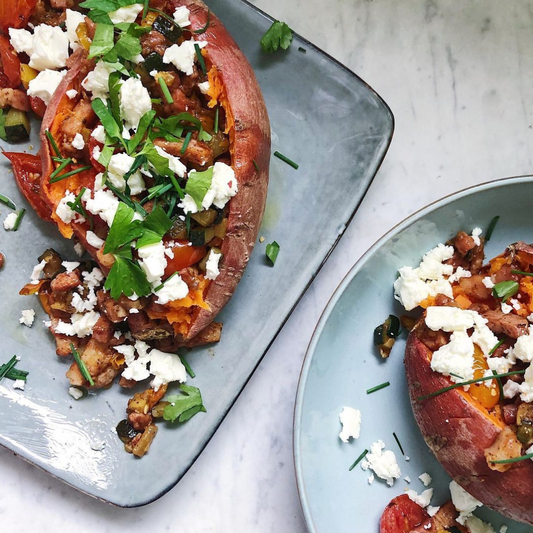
458	430
249	133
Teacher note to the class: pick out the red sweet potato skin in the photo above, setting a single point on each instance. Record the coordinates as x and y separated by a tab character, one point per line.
457	432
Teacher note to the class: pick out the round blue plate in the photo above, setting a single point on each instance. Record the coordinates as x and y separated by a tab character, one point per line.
342	363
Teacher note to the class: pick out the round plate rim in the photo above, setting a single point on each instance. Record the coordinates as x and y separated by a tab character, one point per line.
339	291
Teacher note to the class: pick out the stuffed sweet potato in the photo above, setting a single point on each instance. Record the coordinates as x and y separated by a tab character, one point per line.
475	326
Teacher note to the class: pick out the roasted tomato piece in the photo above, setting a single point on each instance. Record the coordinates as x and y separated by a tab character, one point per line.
184	256
15	13
37	106
10	62
27	170
402	515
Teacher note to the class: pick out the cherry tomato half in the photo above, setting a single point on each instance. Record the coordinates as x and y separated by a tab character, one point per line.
402	515
184	256
15	13
10	62
37	106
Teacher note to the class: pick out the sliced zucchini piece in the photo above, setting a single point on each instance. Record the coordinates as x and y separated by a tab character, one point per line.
168	28
220	229
154	62
17	126
385	335
178	230
201	236
205	218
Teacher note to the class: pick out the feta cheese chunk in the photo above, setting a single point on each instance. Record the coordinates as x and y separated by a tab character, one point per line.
456	357
70	266
36	273
173	289
78	142
425	478
423	499
166	367
75	392
135	101
104	204
81	324
27	318
174	163
211	267
463	502
64	211
350	419
119	165
511	389
449	319
476	525
93	240
97	81
153	261
72	21
476	232
523	348
99	133
487	281
126	14
204	87
21	41
45	84
181	17
10	221
72	93
526	387
183	55
19	384
383	463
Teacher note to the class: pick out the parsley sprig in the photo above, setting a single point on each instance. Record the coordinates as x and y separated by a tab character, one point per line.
184	406
279	35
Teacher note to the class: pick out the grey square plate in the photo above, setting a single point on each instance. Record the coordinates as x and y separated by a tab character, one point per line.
338	130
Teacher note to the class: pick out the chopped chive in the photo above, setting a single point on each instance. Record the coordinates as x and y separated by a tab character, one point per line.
200	58
505	289
139	209
398	442
81	365
4	369
158	190
65	163
71	173
186	142
156	100
378	387
491	227
188	223
521	272
499	382
52	141
496	346
145	8
177	186
15	374
203	29
164	88
301	49
456	375
513	460
286	160
121	196
255	165
172	205
189	370
215	129
470	382
76	204
7	201
358	460
18	220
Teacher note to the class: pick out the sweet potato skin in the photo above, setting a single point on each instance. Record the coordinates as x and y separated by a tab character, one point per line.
457	432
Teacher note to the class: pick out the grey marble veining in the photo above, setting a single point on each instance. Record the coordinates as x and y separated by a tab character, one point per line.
459	79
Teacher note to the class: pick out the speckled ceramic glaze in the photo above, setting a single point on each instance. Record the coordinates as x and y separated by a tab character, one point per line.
338	130
342	363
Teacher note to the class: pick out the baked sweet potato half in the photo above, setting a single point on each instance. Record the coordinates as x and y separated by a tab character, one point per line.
219	103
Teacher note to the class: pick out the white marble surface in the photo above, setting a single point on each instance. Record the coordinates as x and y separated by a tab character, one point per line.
459	79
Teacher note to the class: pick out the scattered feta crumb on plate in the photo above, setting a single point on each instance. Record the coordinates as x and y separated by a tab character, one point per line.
27	318
350	419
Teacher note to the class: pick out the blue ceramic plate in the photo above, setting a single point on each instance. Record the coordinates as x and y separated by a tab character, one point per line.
342	363
338	130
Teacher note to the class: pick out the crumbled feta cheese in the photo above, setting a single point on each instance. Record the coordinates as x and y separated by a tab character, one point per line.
211	267
99	133
476	232
81	324
47	47
523	348
174	162
463	502
526	387
79	249
169	252
476	525
421	499
416	284
425	478
27	318
223	186
153	261
78	142
183	55
174	288
487	282
515	303
166	368
119	165
72	21
10	221
93	240
181	17
93	278
72	93
135	101
383	463
456	357
45	84
510	389
370	479
104	204
504	529
350	419
117	334
126	14
19	384
75	392
64	211
97	81
81	305
432	511
36	273
70	266
500	365
530	317
204	87
506	308
449	319
458	274
407	479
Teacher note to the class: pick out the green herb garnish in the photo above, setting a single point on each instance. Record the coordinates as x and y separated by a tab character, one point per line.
52	141
496	346
255	165
358	460
513	460
521	273
286	160
215	127
200	58
279	35
398	442
81	365
491	227
7	367
164	88
499	382
126	277
505	289
7	201
62	166
187	367
71	173
3	116
272	251
186	142
18	220
378	387
184	406
103	41
198	184
203	29
77	206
